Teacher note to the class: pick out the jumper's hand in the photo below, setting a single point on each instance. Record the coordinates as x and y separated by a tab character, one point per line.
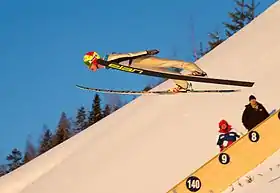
152	52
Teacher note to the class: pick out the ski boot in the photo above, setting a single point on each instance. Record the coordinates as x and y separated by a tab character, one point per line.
174	90
178	88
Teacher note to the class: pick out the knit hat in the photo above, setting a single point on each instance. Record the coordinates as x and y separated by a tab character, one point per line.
252	97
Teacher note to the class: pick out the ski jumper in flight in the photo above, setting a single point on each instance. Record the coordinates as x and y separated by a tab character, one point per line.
146	60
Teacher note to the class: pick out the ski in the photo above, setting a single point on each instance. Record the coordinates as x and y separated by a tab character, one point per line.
146	72
163	92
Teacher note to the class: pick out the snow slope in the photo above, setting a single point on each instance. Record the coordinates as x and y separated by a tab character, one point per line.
154	142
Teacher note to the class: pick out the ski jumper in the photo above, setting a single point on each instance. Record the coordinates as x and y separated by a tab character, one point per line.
146	61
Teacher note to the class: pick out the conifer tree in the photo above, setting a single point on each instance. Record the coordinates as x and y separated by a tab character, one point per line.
46	142
238	18
251	10
81	120
243	14
115	107
201	51
96	112
106	111
30	152
3	170
63	131
215	40
14	159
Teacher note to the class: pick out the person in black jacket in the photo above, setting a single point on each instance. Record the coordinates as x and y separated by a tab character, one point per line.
253	114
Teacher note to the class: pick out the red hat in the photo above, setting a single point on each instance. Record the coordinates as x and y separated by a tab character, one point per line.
229	127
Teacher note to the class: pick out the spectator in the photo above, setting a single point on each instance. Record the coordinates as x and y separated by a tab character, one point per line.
227	136
253	114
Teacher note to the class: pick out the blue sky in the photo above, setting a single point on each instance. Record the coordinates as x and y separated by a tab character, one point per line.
42	44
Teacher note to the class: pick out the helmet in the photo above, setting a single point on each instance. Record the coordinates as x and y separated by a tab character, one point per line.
90	58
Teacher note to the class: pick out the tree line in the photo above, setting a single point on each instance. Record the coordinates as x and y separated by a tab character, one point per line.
66	128
244	12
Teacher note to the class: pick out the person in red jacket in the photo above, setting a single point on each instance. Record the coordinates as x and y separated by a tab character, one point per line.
227	135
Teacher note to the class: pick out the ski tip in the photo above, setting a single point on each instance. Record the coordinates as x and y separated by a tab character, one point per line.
81	87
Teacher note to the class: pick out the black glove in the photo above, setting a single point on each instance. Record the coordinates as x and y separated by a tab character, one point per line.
152	52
